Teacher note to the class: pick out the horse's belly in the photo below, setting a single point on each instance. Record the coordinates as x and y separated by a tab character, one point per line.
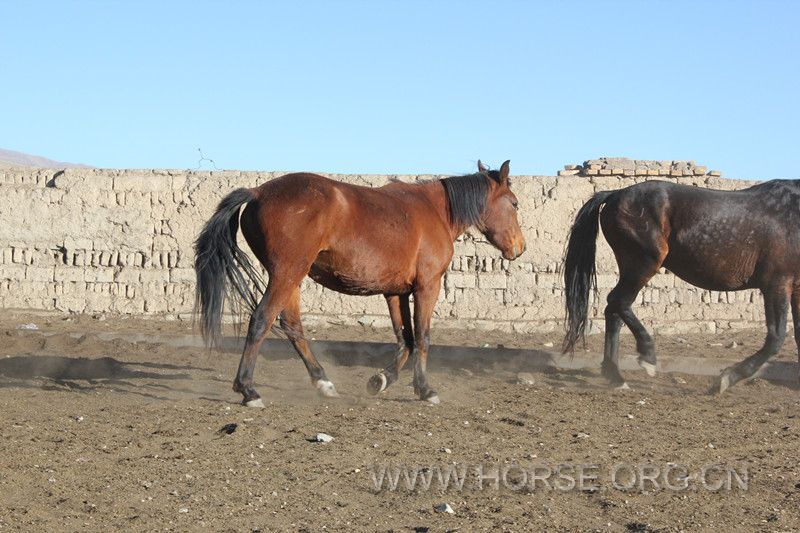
720	252
717	272
360	279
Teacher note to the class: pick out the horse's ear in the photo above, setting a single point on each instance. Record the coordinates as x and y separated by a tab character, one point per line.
504	170
481	167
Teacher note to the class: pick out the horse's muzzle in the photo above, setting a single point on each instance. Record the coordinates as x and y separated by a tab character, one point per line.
515	252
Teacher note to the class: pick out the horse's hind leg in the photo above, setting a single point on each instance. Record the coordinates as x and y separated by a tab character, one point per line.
776	308
267	310
610	366
293	327
400	312
796	317
618	311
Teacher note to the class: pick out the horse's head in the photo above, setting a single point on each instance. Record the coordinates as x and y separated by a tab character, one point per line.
499	222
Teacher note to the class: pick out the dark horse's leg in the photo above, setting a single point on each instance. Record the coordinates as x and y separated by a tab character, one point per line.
618	311
796	317
776	307
610	365
400	313
424	301
293	327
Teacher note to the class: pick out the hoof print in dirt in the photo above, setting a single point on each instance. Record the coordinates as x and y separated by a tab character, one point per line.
637	527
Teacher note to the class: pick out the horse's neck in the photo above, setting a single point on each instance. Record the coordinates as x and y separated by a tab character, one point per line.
438	198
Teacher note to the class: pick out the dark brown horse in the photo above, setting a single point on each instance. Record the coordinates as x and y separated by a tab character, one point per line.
716	240
395	240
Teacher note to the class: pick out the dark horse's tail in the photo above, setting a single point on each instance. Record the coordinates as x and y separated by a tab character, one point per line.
579	268
222	268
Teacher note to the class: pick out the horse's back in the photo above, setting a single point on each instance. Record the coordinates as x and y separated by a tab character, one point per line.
300	187
719	240
336	197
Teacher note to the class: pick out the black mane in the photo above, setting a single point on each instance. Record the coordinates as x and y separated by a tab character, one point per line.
466	198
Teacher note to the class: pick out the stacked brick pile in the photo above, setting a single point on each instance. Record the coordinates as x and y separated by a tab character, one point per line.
621	166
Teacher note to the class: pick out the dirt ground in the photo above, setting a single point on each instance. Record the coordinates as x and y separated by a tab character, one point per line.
111	435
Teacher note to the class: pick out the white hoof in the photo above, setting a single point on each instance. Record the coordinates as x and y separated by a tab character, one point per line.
650	368
257	403
724	382
624	386
327	389
434	400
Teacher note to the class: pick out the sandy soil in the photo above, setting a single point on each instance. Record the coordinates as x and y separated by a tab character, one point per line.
99	435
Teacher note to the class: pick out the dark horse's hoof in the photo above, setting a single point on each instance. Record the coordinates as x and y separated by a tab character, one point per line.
648	366
726	380
377	383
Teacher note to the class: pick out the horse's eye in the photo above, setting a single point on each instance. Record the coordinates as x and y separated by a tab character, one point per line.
515	205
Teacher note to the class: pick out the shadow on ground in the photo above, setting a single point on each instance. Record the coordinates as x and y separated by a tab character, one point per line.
60	368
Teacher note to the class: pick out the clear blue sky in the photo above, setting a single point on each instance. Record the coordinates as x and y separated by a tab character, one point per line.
402	87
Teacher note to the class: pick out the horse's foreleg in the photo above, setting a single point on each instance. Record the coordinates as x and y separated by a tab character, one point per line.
400	314
293	327
424	301
776	310
260	323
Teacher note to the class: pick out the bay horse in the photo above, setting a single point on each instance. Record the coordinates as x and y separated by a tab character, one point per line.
395	240
715	240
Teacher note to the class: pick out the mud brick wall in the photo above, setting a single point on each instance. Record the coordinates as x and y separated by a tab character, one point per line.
120	242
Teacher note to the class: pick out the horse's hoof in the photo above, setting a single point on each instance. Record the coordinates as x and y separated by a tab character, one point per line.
624	386
433	399
257	403
327	389
377	384
650	368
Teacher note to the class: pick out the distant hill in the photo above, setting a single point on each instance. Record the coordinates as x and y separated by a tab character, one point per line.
10	158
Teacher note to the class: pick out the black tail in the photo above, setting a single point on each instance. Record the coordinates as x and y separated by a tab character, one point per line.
579	268
222	268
